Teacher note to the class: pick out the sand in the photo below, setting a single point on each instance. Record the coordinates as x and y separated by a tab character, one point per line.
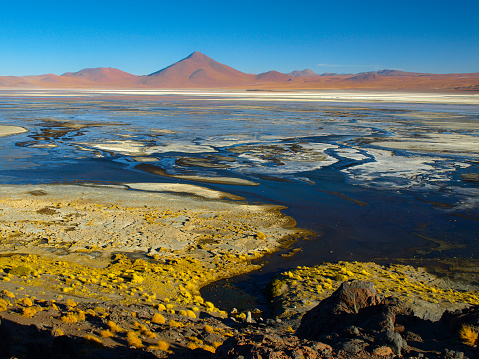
11	130
69	219
451	143
292	95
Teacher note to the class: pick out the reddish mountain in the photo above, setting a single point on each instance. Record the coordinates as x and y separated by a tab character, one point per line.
201	71
364	76
272	76
305	72
102	75
197	71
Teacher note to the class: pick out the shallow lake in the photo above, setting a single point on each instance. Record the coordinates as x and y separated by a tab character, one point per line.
373	180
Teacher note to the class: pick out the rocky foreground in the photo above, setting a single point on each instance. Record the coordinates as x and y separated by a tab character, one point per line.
94	272
354	322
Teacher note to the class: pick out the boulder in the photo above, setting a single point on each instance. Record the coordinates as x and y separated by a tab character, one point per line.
340	310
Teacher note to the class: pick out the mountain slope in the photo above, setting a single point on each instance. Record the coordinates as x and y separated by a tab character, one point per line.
305	72
200	71
102	75
197	70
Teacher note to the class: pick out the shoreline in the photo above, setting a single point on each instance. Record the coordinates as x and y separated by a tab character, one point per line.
113	300
334	96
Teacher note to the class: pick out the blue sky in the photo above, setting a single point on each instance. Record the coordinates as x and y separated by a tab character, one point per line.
140	37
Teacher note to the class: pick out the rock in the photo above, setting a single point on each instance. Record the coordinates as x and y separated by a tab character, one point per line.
470	177
451	354
410	336
339	309
353	346
392	340
323	349
251	346
383	351
352	330
249	318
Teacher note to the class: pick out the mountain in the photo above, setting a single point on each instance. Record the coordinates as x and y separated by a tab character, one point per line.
200	71
197	70
305	72
273	76
364	76
102	75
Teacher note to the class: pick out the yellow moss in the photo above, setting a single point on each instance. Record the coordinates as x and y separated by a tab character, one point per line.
198	299
191	314
161	307
149	334
90	312
158	319
91	339
69	318
8	294
4	305
209	306
341	277
71	303
115	328
209	329
133	340
468	334
25	301
175	324
162	345
260	235
106	333
209	348
192	346
183	313
29	312
81	315
58	332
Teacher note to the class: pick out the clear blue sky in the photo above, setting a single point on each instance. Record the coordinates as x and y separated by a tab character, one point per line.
140	37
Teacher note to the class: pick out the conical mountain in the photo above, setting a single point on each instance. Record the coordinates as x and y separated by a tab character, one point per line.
197	71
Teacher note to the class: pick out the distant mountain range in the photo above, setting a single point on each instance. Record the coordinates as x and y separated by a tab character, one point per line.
200	71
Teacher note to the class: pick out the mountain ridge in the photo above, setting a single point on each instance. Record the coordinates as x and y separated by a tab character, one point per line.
197	70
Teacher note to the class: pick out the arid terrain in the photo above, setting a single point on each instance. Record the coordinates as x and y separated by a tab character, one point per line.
198	71
116	212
